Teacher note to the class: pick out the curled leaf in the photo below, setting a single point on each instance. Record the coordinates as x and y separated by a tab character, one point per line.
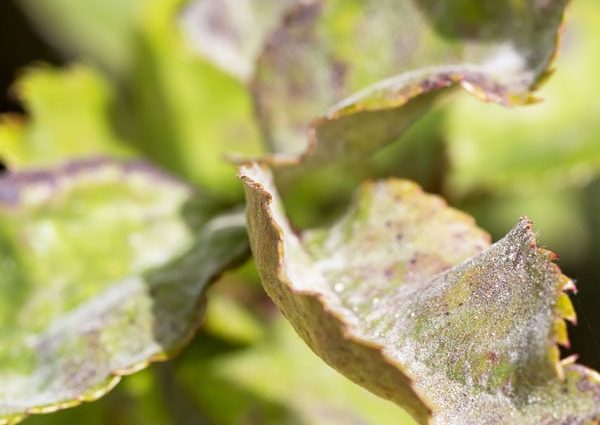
104	269
556	140
406	297
405	53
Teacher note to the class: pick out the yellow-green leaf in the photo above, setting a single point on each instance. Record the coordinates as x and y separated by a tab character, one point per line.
69	118
104	269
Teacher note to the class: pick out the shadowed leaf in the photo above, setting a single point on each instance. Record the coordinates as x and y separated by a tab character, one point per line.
104	270
406	297
279	381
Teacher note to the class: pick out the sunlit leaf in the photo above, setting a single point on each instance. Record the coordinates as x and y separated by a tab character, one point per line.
182	111
99	31
104	270
173	106
553	144
406	297
69	117
405	53
231	321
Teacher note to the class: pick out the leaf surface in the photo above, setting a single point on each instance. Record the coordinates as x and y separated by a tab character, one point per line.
549	145
99	31
69	117
382	64
406	297
231	33
104	269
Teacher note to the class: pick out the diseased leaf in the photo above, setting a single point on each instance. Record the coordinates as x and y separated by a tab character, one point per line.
231	33
405	53
104	269
406	297
549	145
136	400
69	118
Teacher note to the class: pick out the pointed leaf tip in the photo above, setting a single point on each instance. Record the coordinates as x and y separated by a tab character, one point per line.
406	297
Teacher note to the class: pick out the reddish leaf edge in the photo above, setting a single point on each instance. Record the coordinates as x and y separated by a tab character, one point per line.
420	407
423	81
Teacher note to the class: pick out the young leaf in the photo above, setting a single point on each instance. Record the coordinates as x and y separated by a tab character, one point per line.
104	269
406	297
183	112
179	110
404	53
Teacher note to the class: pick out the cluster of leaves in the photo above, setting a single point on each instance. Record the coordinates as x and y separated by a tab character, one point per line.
106	259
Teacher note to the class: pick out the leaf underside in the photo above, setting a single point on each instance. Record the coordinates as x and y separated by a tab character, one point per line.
406	297
104	265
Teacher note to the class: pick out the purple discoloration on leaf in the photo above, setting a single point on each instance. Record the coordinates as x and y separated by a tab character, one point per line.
465	336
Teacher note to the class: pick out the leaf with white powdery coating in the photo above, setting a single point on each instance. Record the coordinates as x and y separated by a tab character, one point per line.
104	265
407	297
405	53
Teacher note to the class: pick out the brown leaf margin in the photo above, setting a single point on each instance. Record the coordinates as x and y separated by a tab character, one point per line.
325	331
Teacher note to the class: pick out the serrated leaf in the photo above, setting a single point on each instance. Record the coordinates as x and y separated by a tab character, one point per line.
69	118
406	297
405	53
104	269
552	144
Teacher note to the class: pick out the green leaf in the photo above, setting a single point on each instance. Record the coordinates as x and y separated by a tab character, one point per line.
182	111
69	117
552	144
98	31
172	106
280	382
230	321
406	297
405	53
104	269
